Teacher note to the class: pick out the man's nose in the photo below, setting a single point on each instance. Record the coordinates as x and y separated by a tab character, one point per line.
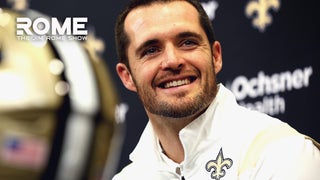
172	59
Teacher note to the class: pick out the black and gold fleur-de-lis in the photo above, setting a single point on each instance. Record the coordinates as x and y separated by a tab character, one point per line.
260	8
218	166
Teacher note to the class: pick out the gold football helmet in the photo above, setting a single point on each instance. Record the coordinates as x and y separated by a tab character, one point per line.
57	106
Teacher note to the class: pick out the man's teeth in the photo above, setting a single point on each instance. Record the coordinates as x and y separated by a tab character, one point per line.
176	83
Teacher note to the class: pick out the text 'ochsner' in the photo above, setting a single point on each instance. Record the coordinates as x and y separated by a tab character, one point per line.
264	86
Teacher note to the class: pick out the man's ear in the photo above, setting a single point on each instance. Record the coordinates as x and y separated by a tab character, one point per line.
217	56
125	76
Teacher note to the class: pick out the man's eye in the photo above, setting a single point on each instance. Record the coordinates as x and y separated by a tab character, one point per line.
150	51
189	43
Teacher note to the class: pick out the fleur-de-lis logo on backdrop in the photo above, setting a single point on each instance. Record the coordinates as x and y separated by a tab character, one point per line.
218	166
259	10
210	7
19	5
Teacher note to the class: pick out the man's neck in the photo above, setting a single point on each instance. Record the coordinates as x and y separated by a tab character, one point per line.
167	130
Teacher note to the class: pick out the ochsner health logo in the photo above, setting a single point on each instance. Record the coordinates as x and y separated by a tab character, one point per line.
268	89
72	28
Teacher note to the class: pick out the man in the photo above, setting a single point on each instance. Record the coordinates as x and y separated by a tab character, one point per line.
196	130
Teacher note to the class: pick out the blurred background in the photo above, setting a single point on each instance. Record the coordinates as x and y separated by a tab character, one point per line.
64	114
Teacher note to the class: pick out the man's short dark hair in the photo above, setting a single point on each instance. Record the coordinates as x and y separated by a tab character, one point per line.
122	39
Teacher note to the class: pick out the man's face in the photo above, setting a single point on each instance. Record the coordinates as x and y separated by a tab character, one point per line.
172	64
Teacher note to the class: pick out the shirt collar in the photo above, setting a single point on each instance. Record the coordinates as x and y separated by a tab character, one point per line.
202	127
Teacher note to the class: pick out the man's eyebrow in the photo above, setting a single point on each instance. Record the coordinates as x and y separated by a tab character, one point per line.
181	35
146	44
189	34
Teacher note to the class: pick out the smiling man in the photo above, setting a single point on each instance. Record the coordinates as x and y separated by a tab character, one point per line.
196	130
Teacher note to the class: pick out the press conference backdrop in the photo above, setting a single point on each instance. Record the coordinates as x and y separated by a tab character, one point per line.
270	51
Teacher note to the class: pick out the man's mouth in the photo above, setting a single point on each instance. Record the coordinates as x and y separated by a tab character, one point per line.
176	83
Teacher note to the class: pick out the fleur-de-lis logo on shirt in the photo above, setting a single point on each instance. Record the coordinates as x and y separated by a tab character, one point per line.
260	8
218	166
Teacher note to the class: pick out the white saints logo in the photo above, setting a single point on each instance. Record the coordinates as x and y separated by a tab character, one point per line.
260	8
218	166
210	7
